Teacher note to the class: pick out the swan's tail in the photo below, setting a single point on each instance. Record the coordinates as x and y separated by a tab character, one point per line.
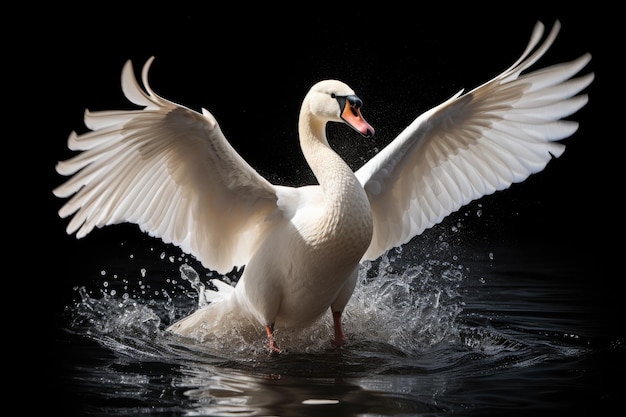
205	322
212	317
223	292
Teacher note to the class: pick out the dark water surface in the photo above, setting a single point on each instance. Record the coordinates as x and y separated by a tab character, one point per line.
519	330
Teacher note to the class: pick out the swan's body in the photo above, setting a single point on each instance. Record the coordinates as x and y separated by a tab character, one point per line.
171	171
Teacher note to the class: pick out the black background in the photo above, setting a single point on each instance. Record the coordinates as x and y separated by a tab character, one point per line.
251	69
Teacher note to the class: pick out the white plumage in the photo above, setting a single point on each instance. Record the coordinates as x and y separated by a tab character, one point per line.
171	171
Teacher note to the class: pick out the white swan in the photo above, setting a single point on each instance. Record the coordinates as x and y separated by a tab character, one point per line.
170	170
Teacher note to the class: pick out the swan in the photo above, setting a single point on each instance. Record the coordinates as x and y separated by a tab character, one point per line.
171	171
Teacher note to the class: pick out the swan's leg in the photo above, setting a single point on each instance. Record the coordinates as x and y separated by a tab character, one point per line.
339	304
269	329
340	338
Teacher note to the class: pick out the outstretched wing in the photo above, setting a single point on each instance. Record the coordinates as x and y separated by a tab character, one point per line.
472	145
171	171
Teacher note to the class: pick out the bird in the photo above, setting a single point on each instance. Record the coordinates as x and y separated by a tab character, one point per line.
170	170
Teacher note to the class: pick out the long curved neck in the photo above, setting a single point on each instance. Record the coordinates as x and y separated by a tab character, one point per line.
332	173
347	211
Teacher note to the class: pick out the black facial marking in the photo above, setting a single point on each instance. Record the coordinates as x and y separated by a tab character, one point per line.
341	100
354	101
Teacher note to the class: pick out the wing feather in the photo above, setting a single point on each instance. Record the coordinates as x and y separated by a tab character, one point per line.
473	144
171	171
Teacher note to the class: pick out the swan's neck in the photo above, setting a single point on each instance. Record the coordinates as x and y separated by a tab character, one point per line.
333	174
346	212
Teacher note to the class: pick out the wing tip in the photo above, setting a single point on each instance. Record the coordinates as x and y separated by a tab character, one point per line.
139	95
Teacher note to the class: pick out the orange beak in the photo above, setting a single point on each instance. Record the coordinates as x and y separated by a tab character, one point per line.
351	114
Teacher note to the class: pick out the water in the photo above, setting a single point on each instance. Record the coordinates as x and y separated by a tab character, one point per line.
452	330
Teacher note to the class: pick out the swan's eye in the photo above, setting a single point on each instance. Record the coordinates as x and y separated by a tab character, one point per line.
332	95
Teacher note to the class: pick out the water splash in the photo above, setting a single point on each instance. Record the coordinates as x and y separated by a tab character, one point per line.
190	275
404	307
411	308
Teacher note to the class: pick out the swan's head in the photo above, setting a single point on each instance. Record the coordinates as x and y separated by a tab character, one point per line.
334	101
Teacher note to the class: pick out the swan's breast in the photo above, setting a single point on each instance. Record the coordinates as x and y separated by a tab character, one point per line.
340	227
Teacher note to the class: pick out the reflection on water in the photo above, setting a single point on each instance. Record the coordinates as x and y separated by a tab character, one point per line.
438	335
